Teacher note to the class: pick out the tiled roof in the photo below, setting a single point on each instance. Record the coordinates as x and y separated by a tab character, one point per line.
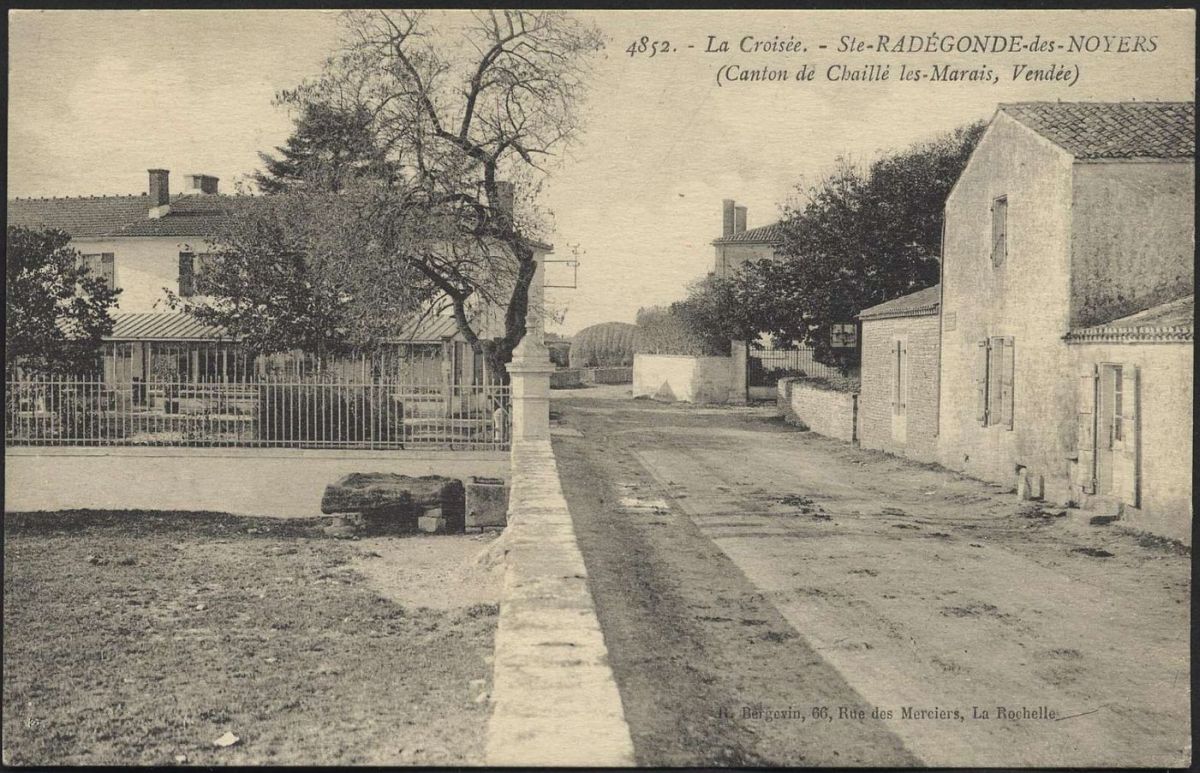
921	303
1100	130
99	216
1170	321
178	326
764	234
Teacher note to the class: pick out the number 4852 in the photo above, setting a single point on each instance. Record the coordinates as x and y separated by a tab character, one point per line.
645	45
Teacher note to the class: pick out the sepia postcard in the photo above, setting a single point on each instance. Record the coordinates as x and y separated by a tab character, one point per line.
599	388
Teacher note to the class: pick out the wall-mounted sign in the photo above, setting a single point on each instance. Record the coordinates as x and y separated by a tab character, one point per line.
843	336
949	321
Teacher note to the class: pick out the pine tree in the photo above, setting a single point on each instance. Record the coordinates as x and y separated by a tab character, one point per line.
329	147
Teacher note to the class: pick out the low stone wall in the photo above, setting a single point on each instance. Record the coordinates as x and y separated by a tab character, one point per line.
554	699
824	411
689	379
567	378
608	375
242	481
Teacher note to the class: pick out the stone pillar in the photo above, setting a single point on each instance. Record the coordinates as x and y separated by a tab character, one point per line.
737	384
530	369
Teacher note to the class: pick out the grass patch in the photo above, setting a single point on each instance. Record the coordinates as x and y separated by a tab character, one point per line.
142	637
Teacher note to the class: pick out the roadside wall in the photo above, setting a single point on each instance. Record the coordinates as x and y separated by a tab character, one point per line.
917	438
554	699
607	375
241	481
824	411
689	379
566	378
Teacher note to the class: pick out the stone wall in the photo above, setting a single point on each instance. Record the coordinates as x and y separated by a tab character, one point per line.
913	433
242	481
608	375
554	699
687	379
566	378
824	411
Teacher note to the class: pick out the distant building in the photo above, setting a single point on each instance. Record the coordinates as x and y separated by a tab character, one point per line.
898	397
737	245
150	242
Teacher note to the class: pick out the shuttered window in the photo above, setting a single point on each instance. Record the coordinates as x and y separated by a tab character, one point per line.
999	230
104	266
187	274
995	366
899	377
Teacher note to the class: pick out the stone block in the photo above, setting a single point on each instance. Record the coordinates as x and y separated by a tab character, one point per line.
432	521
487	502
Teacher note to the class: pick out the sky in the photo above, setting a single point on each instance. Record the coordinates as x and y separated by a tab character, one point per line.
98	97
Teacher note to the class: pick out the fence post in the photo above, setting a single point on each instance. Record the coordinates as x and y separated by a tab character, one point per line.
530	370
737	386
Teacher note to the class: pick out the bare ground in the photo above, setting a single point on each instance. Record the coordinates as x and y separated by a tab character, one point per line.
901	586
142	637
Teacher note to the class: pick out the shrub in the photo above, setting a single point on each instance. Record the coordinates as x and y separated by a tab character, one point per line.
326	413
667	331
607	345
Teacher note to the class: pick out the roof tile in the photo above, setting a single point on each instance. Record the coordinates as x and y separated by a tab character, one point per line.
921	302
1099	130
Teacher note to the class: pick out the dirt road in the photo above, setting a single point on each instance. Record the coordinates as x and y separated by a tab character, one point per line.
906	613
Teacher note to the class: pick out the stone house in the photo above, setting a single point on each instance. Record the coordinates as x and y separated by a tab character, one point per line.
1067	262
737	245
898	396
156	240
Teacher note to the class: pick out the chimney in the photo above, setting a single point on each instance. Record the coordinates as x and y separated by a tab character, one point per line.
727	209
506	197
160	192
739	219
202	183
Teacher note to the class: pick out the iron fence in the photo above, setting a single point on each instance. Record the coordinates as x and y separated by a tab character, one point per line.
765	367
315	412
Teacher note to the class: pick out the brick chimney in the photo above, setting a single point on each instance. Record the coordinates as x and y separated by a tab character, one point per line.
203	183
739	219
160	192
727	211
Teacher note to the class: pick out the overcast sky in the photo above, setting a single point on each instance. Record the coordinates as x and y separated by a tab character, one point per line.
97	97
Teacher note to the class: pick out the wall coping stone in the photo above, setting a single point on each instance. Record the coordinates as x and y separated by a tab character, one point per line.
551	705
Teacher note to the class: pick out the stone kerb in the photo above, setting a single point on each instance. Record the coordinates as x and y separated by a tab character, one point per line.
554	699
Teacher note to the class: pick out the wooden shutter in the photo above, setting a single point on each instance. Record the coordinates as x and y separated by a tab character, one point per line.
903	379
895	362
108	269
1007	362
999	230
187	265
1127	458
1085	468
981	382
995	391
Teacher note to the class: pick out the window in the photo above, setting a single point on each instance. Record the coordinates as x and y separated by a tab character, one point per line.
191	266
103	265
994	381
999	230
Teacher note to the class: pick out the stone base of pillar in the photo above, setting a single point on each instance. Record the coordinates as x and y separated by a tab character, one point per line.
737	373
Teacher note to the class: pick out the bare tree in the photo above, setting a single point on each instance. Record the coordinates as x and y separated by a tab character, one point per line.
471	109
